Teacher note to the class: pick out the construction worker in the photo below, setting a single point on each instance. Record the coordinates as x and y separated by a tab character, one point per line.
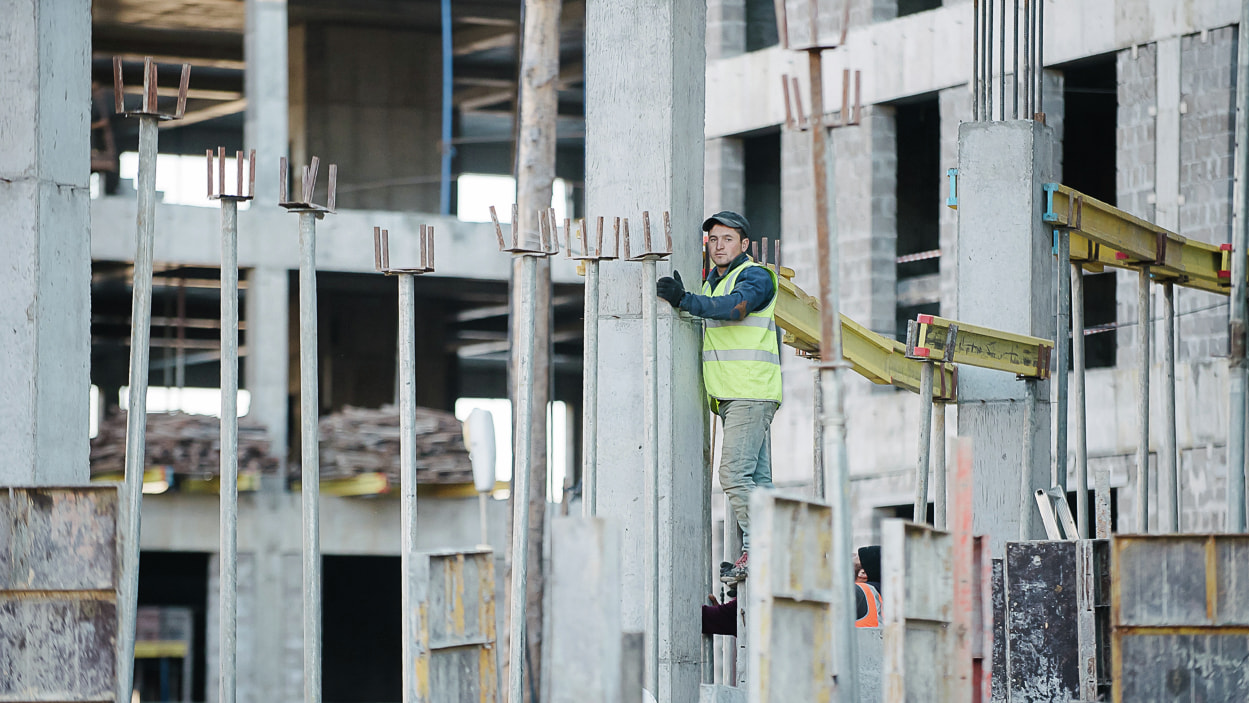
741	362
867	595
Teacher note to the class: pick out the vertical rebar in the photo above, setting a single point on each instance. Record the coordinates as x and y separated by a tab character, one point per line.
1078	399
1027	59
589	395
920	513
522	460
1040	56
1062	360
832	368
1168	468
988	61
1015	66
1142	407
228	556
1002	62
975	60
411	623
1238	378
1025	465
939	467
310	466
136	414
650	460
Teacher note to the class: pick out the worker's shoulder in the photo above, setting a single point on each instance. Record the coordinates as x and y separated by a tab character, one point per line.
755	272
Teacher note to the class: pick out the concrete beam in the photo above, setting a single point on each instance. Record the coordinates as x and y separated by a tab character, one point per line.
265	87
46	274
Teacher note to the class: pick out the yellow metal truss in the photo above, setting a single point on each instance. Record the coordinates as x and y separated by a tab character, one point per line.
950	340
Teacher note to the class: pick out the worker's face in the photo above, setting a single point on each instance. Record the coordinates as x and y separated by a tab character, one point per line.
860	576
724	244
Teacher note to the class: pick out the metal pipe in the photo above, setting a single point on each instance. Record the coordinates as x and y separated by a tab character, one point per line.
589	395
1078	400
1015	70
1027	63
939	467
975	60
817	478
136	413
1168	469
522	419
650	459
1238	378
448	151
228	556
1142	407
1040	56
1025	471
310	460
832	368
411	622
1002	63
920	505
988	61
1062	362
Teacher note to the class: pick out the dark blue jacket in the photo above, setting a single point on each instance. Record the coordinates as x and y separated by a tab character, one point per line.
753	286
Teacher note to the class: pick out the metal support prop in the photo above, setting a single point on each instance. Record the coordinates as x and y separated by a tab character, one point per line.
1062	241
140	340
939	467
817	478
415	687
1025	465
229	498
309	413
1238	377
1142	403
1168	468
831	388
1078	399
920	514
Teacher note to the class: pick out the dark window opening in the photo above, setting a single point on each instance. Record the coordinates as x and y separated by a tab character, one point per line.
362	656
1091	514
1090	121
761	161
910	7
907	512
918	196
170	584
761	29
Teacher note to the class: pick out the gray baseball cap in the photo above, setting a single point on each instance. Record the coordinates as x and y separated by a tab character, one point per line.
728	218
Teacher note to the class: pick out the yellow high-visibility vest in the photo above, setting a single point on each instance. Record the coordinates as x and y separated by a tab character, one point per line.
741	359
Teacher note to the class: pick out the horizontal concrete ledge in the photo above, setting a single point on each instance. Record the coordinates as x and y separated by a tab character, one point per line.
269	237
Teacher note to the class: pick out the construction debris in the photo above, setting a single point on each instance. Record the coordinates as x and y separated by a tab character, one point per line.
189	445
366	440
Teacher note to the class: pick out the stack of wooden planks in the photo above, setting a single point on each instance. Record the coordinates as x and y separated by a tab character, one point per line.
366	440
188	444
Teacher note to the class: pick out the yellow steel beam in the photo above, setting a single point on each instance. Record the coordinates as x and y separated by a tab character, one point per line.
364	484
160	649
873	356
961	343
1103	235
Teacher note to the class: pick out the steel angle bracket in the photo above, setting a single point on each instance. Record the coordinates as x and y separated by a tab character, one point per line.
971	345
850	114
588	253
548	234
245	189
308	190
649	251
149	107
381	252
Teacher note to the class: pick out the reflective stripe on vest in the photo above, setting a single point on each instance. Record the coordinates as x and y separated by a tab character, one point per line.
741	358
872	619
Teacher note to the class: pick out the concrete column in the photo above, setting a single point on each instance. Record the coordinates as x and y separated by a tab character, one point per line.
265	126
654	163
267	375
1006	282
45	277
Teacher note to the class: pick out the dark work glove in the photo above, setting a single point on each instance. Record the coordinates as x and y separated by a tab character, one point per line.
671	289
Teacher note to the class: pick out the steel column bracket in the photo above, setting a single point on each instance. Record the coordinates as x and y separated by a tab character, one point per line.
797	119
149	107
241	193
547	231
588	254
381	252
952	201
649	252
309	187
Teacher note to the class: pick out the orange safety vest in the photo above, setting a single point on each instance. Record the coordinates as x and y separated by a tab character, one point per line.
872	619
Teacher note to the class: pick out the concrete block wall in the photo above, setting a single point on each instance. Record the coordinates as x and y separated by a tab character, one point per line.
726	28
724	177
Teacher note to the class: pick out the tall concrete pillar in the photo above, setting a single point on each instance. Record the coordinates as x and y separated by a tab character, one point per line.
644	151
1005	281
265	82
266	370
45	277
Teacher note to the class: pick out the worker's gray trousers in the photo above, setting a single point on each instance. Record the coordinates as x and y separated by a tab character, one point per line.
745	455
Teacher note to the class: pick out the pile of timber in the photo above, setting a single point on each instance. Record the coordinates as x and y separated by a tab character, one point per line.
188	444
366	440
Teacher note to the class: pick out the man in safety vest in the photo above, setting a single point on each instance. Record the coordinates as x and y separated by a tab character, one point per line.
741	362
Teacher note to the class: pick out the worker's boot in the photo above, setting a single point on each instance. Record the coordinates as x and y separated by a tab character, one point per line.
736	572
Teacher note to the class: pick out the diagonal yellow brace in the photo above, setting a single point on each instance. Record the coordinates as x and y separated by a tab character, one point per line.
983	347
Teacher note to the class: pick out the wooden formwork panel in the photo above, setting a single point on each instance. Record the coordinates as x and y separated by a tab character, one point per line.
1180	617
455	647
59	575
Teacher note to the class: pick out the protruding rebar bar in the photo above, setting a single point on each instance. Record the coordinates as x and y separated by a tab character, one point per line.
1015	68
988	58
975	60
